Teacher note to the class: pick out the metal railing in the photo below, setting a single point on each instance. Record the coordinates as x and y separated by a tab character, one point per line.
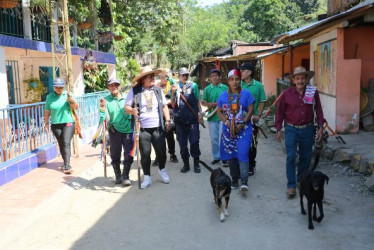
40	25
22	127
11	21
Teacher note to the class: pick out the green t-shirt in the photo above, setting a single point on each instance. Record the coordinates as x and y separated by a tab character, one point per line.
257	90
59	108
211	94
118	117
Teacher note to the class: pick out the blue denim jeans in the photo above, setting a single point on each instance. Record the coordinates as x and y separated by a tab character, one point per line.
301	141
215	131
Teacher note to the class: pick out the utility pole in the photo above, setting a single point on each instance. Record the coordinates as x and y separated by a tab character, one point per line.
61	54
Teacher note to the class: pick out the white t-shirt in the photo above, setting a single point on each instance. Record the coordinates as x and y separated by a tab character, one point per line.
148	113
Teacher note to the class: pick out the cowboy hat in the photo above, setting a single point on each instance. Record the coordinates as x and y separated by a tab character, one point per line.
301	70
147	70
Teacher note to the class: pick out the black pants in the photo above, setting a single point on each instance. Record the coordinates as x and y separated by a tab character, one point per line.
118	141
64	134
171	141
147	138
188	133
253	149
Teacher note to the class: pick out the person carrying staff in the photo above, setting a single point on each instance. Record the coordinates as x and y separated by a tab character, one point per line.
120	131
58	106
187	116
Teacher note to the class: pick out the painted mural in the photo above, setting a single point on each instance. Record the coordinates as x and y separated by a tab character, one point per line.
326	68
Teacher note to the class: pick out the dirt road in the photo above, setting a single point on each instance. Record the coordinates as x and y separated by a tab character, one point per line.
92	213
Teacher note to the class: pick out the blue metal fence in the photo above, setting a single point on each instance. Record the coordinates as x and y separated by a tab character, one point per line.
22	127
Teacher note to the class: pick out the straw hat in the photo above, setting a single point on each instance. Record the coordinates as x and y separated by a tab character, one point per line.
301	70
147	70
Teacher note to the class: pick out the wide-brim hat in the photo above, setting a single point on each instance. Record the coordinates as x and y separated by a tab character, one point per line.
301	70
147	70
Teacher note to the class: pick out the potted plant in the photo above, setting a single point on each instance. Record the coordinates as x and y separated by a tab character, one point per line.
39	6
34	89
8	4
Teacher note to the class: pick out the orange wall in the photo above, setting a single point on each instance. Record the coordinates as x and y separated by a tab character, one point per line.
271	71
347	89
361	38
272	67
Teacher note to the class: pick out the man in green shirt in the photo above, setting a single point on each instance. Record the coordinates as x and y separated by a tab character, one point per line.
120	131
257	90
210	96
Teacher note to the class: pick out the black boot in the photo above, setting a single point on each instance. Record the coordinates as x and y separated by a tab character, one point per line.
117	173
125	176
196	166
186	165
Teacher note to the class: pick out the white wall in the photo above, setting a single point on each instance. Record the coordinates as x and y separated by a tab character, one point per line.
4	101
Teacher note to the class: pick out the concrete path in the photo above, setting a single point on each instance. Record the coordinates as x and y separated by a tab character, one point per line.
90	212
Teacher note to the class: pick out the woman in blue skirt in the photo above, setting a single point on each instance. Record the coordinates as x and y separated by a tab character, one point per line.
235	109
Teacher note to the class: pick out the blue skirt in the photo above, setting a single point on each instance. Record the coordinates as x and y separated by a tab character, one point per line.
236	147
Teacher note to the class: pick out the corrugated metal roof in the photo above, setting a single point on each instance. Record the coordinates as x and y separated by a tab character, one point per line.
288	35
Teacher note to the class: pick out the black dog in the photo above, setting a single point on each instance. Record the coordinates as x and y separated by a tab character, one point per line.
221	184
312	186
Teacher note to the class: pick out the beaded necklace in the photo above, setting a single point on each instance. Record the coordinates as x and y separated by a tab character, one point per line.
233	109
148	100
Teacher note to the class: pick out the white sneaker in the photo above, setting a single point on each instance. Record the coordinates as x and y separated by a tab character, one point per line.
164	176
146	182
244	187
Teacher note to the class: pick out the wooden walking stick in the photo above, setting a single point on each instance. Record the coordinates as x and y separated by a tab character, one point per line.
104	148
135	147
191	109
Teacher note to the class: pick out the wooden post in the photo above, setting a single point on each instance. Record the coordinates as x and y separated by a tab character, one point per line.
283	66
291	59
203	76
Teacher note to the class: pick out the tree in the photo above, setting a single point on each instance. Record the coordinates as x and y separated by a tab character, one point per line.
307	6
268	18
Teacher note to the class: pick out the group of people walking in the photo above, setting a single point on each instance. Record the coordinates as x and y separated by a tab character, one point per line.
233	114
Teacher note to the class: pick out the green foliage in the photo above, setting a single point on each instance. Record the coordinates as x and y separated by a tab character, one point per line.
34	89
269	18
128	72
95	79
307	6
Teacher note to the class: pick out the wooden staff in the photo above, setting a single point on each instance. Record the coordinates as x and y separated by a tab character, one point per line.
104	149
273	105
191	109
137	131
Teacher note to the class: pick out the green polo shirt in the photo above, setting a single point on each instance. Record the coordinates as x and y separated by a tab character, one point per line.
118	117
59	108
257	90
211	94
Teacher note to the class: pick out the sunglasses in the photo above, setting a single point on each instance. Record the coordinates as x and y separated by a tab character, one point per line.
116	85
59	87
185	75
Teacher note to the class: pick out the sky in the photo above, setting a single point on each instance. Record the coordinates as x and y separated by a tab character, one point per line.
209	2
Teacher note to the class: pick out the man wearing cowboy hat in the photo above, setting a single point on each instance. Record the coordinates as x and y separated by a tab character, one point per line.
120	131
187	124
148	102
210	97
296	109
